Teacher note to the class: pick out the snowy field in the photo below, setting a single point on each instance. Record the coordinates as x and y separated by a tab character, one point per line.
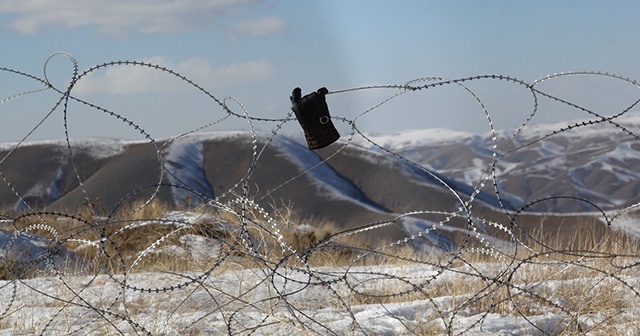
543	294
260	302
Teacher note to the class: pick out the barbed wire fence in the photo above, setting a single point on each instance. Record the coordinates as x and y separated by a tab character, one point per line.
275	287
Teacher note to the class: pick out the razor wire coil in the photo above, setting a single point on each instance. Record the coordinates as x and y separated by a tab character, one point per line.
282	270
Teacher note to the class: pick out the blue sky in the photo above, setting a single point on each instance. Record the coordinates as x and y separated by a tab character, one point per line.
258	51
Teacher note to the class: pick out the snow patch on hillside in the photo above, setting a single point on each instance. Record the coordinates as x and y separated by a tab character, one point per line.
324	176
24	251
412	138
427	230
98	148
184	164
47	191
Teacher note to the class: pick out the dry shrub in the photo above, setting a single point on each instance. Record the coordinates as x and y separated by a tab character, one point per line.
5	272
112	243
15	265
143	210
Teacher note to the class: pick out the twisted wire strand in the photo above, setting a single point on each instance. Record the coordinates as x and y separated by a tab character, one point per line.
279	273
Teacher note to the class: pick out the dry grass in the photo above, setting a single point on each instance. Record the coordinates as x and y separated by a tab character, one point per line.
140	238
283	234
583	277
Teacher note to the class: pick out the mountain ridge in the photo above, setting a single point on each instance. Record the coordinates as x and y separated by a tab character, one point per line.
345	183
573	164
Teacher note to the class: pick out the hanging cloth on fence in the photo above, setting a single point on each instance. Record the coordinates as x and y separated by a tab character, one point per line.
313	115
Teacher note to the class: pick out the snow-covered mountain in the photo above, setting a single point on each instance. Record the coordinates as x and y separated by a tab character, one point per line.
346	183
573	166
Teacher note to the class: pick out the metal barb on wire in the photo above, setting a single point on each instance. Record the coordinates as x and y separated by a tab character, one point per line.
283	269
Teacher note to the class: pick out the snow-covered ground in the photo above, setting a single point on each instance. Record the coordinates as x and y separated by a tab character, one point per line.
551	294
319	301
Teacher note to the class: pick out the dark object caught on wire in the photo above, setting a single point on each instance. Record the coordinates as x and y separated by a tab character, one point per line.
313	115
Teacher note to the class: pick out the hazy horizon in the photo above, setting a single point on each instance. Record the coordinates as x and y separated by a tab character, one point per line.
258	51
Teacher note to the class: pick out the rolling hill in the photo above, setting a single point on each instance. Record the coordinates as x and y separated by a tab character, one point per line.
355	187
580	165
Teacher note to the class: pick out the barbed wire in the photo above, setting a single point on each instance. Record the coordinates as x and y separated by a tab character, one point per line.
257	282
